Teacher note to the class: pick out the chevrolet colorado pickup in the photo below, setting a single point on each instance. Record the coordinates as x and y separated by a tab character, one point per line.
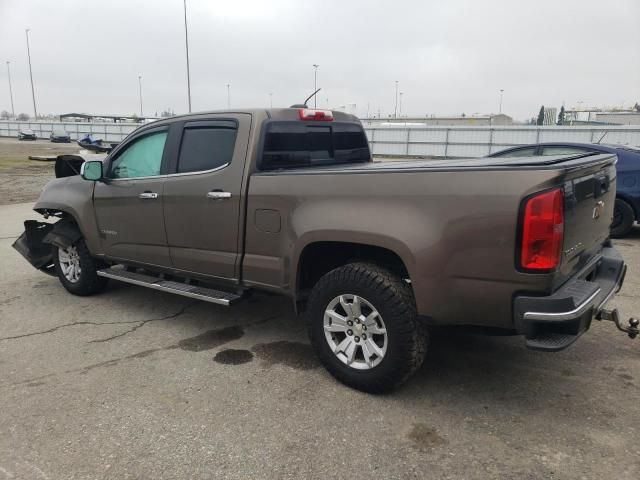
215	205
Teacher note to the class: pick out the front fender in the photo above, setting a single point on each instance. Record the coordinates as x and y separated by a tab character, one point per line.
73	196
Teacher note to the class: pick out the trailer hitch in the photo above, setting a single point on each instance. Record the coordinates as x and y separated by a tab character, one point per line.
612	315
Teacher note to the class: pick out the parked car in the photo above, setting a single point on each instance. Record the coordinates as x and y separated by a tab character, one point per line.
59	136
27	134
214	205
627	207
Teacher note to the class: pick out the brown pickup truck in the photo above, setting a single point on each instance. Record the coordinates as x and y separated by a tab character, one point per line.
215	205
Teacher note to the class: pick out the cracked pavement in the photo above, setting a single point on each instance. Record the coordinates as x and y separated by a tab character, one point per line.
135	383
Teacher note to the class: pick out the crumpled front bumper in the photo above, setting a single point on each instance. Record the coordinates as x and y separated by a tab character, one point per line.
554	322
32	247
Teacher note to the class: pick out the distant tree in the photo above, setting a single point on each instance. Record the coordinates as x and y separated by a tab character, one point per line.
166	113
636	107
4	115
561	116
463	115
540	120
23	117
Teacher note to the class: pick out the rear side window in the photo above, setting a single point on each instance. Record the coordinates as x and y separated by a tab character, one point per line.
205	148
298	144
523	152
557	150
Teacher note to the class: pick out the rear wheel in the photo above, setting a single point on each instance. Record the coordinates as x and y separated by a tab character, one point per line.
623	218
77	269
363	326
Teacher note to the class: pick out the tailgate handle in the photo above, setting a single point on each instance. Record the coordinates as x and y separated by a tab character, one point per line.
601	187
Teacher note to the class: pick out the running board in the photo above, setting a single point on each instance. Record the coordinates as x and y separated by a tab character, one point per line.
179	288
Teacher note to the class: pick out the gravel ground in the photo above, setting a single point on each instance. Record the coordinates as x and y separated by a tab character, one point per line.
22	179
138	384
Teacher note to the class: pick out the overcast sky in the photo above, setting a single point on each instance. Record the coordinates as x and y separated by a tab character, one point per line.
449	56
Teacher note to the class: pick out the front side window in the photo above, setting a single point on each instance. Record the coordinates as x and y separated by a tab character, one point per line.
206	148
143	158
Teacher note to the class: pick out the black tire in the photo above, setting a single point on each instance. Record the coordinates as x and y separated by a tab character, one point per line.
88	282
393	299
623	219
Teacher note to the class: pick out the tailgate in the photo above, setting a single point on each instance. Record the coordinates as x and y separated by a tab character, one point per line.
589	198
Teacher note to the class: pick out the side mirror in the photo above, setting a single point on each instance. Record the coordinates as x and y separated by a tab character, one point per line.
91	170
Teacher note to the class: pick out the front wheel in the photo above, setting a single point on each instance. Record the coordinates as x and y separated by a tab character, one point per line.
76	269
363	326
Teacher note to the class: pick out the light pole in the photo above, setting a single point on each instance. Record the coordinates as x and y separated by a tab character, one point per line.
315	84
270	99
33	93
400	108
500	107
13	111
186	46
228	95
140	93
395	110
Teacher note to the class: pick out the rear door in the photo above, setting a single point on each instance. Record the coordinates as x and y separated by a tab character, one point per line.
202	196
128	203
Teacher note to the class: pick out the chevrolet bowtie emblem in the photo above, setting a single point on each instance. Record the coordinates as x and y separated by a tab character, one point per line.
597	210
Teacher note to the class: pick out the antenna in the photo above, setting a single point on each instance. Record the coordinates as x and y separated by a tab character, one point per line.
304	105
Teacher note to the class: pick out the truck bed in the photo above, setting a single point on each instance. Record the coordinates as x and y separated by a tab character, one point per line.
567	162
454	224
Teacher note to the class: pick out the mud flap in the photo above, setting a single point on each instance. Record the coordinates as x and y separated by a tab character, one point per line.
32	247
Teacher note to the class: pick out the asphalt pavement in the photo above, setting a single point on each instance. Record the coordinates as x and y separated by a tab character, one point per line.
138	384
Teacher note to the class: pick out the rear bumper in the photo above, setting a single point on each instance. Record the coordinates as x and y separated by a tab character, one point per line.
554	322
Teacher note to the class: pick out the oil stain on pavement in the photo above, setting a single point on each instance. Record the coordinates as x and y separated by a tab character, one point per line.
292	354
232	356
211	339
425	438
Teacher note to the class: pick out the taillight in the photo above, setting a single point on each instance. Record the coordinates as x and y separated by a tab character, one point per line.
542	231
311	114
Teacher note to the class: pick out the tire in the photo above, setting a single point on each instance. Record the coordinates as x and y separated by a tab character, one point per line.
623	219
84	281
403	345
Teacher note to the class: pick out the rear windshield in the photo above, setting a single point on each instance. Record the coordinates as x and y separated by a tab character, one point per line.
302	144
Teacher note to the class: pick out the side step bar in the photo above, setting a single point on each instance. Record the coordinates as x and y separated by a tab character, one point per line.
201	293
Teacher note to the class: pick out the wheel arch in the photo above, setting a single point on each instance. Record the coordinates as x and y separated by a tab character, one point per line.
318	257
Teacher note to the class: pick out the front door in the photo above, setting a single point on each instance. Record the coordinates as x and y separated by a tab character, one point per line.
128	203
202	197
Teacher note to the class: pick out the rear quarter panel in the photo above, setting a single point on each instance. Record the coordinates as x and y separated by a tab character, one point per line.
454	230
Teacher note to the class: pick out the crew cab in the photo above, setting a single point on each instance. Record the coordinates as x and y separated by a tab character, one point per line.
215	205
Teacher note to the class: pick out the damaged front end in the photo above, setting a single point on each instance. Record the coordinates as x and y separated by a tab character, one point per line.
37	242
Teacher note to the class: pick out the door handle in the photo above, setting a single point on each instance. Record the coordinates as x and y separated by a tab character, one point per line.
218	194
148	195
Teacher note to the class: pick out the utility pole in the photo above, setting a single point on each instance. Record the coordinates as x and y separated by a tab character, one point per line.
400	109
140	93
315	84
500	108
186	45
395	110
228	95
13	111
33	93
270	99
